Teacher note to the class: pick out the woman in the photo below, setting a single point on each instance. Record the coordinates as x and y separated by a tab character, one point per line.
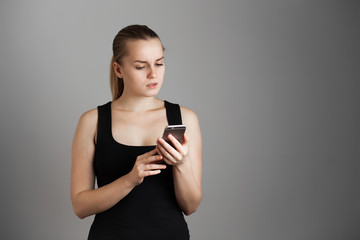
144	184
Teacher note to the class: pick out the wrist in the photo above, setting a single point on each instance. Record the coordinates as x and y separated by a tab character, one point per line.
128	181
184	166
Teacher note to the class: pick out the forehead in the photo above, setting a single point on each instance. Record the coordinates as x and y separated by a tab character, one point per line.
144	49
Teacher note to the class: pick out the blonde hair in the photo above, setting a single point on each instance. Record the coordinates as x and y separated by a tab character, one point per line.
131	32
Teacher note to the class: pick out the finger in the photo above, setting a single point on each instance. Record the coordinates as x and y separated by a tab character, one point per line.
154	158
169	162
166	155
162	150
178	146
185	140
150	153
150	173
147	154
158	161
154	167
175	154
165	144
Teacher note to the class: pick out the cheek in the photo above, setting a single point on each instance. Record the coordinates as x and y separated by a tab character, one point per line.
131	79
161	72
134	75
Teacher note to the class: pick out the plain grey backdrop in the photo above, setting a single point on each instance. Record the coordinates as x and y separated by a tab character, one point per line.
275	85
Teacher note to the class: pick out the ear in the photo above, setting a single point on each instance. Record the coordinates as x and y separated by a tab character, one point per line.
117	70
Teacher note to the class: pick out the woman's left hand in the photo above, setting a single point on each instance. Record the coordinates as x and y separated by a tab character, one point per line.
173	155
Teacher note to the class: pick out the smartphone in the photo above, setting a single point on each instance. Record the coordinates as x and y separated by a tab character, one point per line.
176	130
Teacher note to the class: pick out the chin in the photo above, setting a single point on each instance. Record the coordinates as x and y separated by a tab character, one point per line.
152	93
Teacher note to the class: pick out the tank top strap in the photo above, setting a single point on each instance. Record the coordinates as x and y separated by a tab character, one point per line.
104	122
173	113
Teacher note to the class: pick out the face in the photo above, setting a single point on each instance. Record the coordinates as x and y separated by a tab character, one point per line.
143	68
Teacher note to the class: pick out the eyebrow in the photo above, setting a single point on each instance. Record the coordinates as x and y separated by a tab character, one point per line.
146	62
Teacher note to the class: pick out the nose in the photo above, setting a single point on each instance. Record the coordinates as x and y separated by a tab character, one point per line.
152	73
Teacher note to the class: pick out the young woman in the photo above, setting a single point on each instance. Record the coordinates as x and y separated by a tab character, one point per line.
144	184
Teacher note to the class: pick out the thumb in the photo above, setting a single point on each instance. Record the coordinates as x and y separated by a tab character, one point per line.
185	140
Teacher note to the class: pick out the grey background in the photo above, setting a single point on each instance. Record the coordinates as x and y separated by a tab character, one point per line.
274	84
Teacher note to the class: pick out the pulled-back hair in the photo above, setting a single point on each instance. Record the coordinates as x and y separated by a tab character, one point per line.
131	32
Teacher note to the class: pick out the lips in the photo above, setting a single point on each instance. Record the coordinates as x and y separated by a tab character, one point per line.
151	85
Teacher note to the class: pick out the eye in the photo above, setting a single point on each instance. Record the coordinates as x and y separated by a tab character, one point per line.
139	68
159	64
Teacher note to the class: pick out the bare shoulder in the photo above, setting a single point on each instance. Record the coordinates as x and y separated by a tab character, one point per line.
88	123
89	118
189	117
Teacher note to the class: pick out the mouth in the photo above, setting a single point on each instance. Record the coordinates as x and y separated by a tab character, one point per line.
152	85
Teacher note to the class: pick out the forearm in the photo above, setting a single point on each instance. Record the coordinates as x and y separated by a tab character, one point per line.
94	201
187	189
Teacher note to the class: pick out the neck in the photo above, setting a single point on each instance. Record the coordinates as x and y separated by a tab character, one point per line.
136	104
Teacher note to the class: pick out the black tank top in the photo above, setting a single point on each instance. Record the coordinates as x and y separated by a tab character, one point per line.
150	210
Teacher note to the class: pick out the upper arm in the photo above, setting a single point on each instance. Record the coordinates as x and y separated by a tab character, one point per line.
193	132
82	154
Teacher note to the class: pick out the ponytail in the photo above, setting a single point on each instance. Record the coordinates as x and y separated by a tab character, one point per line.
116	84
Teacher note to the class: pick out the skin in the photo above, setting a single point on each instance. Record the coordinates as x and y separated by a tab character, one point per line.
138	119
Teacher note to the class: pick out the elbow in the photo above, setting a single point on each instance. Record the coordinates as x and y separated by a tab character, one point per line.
79	207
78	210
188	212
80	214
192	207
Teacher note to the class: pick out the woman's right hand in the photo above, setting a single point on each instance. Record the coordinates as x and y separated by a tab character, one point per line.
147	164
